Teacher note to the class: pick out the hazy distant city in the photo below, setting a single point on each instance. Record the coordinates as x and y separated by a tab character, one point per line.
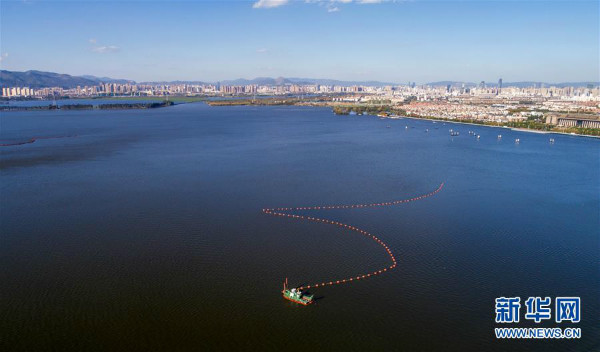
562	105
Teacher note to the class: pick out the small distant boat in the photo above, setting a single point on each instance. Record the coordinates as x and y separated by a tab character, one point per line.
552	140
388	126
296	295
478	136
406	127
427	130
499	136
517	141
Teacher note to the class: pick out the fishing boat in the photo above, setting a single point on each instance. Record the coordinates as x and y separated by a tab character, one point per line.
296	295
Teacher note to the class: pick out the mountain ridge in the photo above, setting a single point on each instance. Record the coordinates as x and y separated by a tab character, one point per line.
43	79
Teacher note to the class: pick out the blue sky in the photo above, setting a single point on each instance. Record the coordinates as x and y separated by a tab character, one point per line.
399	41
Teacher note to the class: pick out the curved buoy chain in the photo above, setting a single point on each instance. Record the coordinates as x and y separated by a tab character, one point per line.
284	212
32	140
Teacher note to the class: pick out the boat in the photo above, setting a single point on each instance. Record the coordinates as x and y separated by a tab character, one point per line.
551	140
499	136
296	295
517	140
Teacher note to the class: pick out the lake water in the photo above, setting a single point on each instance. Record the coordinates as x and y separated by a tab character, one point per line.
95	102
143	230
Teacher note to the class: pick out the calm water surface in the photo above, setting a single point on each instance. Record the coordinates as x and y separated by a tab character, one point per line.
145	231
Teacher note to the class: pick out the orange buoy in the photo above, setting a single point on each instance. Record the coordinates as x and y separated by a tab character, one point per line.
278	212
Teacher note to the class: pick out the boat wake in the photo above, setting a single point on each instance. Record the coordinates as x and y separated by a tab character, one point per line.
32	140
287	212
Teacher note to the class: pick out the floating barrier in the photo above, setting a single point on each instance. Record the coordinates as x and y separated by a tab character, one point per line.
285	212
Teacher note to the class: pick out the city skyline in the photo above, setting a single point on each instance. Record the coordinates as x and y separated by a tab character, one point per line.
396	42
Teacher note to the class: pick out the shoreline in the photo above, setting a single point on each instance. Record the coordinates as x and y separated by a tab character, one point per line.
518	129
383	111
265	102
80	107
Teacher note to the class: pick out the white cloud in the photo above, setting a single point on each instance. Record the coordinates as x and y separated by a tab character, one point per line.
3	56
330	5
327	1
105	49
102	49
267	4
262	50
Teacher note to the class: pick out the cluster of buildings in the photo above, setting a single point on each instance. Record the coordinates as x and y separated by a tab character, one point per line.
567	113
459	110
555	105
397	93
17	92
130	89
429	93
497	103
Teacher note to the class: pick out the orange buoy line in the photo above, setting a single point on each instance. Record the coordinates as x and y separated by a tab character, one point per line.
283	212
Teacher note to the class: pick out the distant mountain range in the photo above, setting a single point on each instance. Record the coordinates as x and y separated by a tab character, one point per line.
175	82
108	79
40	79
294	80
